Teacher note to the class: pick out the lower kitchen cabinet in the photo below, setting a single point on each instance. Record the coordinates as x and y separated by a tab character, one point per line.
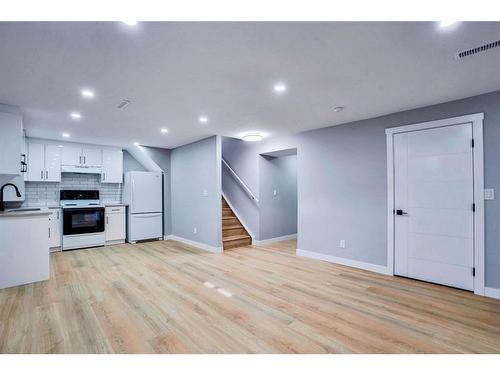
115	224
55	229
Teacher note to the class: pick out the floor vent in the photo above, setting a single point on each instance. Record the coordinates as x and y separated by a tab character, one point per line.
476	50
123	104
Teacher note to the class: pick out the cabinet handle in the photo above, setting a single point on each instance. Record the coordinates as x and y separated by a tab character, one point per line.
41	175
107	219
57	215
84	160
104	176
49	232
80	160
46	175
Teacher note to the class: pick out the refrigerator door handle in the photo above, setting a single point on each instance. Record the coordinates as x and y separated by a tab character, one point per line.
153	214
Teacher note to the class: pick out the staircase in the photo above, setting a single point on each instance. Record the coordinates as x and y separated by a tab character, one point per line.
233	233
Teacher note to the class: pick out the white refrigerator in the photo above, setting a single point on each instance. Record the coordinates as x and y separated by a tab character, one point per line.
143	193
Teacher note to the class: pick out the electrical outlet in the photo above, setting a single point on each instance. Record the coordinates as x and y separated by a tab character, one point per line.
205	193
275	192
342	244
195	230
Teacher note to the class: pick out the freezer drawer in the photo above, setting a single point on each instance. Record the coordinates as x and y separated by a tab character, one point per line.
144	226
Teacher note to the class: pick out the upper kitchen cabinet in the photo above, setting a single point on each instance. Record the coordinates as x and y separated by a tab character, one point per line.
81	157
44	162
11	127
112	166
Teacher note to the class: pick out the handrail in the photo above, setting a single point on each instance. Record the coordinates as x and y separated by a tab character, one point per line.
240	181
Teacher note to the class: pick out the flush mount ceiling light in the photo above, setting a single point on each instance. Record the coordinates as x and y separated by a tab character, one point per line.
136	143
164	130
86	93
130	23
252	137
203	119
279	88
444	24
339	108
75	115
65	135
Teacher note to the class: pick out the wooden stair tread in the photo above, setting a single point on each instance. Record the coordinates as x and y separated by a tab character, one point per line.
228	217
236	237
233	227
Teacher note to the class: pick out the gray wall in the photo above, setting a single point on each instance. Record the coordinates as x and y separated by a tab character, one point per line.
130	164
278	213
342	187
195	168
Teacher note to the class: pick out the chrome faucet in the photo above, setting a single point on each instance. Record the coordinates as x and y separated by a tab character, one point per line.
2	204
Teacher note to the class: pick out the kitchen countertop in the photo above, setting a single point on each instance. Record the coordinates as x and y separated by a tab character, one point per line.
115	204
21	213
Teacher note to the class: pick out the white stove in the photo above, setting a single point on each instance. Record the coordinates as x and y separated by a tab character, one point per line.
83	219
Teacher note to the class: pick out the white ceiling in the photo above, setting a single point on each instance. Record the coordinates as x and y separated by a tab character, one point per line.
175	72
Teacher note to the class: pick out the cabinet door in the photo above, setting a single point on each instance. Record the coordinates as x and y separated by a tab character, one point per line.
115	226
112	166
71	155
36	162
55	228
92	157
10	144
53	163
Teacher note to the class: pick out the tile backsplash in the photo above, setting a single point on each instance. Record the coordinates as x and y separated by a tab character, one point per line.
47	193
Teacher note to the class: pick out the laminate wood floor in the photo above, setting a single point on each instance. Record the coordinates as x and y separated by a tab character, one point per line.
167	297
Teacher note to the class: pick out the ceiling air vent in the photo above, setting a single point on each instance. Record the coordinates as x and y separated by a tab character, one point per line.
474	51
123	103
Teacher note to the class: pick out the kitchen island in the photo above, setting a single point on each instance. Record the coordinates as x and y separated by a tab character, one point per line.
24	246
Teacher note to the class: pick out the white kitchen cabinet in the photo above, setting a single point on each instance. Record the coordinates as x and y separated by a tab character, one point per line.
36	162
115	224
44	162
81	156
71	155
55	226
11	128
92	157
52	163
112	166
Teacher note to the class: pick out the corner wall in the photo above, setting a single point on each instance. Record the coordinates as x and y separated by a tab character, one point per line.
196	192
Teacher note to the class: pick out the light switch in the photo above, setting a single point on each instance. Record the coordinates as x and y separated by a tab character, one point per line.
342	244
489	194
205	193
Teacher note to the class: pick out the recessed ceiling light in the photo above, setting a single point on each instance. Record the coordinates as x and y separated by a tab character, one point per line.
65	135
252	137
203	119
164	130
136	143
279	88
86	93
130	23
339	108
75	115
447	23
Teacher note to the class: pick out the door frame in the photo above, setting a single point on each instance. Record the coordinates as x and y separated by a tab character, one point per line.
478	185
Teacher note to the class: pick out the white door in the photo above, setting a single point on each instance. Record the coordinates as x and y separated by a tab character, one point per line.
146	192
71	155
36	162
115	224
112	166
55	228
92	157
433	196
53	163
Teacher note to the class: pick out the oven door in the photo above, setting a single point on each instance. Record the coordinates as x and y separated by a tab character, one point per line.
83	220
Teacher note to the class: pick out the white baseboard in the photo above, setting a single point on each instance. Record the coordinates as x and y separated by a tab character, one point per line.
492	292
343	261
275	239
212	249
